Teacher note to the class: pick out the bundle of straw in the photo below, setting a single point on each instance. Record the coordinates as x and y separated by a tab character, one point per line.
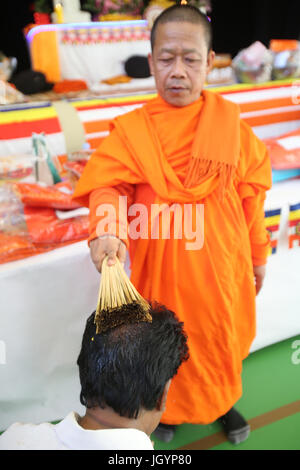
118	302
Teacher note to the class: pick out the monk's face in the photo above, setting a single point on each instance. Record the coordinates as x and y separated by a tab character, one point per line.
180	62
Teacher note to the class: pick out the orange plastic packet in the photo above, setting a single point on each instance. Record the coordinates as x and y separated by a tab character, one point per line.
40	196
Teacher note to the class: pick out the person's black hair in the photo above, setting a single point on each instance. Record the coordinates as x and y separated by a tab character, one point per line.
183	13
127	367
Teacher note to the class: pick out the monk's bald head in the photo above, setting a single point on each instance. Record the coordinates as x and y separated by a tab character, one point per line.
183	13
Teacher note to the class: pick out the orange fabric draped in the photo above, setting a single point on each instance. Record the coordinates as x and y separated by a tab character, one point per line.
159	154
48	63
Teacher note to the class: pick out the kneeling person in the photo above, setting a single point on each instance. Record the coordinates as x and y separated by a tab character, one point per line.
125	374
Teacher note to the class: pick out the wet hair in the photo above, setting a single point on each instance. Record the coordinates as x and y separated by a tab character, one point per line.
183	13
127	367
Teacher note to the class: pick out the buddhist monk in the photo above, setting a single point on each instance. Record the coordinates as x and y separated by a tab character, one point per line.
188	153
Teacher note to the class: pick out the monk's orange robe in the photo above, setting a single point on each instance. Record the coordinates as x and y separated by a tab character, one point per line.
200	154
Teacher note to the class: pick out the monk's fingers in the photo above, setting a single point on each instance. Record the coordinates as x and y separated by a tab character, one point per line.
97	258
259	275
94	252
112	257
258	284
109	246
122	252
102	247
119	252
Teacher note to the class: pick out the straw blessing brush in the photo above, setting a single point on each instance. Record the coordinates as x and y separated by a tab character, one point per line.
118	302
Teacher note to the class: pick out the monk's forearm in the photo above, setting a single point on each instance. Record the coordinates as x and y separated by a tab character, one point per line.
258	235
260	253
108	212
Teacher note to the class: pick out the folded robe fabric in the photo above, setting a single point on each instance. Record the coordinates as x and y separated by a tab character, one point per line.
30	230
160	154
14	247
39	196
44	227
284	150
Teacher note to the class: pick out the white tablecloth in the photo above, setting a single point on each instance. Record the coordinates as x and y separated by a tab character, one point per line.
45	301
278	303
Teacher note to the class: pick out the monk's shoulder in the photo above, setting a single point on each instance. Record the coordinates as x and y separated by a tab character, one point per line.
248	136
253	152
129	116
250	143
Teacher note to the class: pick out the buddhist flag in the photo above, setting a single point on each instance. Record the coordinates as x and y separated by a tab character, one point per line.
272	223
294	225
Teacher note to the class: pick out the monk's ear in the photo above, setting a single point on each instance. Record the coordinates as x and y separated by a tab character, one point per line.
210	60
150	61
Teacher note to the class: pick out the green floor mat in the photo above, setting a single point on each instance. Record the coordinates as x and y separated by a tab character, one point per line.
270	402
282	435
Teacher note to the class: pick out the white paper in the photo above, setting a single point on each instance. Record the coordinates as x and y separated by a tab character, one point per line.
74	213
290	143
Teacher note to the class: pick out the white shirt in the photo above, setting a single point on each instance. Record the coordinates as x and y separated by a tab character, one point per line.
69	435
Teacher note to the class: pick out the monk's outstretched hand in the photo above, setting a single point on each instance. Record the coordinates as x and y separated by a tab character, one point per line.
259	275
110	246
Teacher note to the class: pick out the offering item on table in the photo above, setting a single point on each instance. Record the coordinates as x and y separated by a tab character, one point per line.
222	72
16	167
286	59
253	64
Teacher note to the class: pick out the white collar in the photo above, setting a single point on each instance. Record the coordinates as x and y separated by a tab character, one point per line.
73	436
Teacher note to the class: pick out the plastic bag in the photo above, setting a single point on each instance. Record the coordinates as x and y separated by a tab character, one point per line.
253	64
284	150
14	247
7	66
9	94
76	167
48	196
286	59
74	170
28	230
16	167
42	231
11	212
44	227
45	169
